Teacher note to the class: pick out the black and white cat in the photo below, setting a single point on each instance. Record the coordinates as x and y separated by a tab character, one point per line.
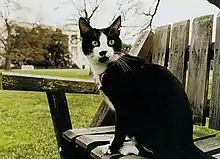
150	103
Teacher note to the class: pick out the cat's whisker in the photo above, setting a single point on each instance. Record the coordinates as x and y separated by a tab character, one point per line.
122	65
129	57
127	66
117	62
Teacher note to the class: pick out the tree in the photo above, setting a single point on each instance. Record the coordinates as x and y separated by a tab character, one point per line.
40	46
57	49
133	12
6	18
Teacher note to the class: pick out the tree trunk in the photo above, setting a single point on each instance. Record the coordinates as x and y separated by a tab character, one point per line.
8	61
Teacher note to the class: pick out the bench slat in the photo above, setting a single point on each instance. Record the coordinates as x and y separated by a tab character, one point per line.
198	67
71	134
29	82
208	144
217	156
95	140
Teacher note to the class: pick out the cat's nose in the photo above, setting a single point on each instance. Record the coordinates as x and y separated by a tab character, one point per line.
102	53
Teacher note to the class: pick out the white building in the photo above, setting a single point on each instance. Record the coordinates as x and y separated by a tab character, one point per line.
74	42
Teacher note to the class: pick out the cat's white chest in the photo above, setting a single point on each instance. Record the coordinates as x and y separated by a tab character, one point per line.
97	79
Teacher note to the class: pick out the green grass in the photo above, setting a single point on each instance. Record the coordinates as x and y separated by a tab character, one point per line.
57	72
26	129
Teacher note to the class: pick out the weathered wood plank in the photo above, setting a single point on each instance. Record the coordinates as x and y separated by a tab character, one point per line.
214	117
161	45
143	46
179	49
98	153
132	157
97	144
105	116
217	156
27	82
198	71
61	122
86	140
71	134
208	144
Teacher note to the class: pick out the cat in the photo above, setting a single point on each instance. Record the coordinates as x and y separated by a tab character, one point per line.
150	103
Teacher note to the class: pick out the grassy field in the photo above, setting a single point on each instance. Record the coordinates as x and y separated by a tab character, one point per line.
26	130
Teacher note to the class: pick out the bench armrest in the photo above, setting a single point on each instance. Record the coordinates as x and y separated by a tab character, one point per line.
29	82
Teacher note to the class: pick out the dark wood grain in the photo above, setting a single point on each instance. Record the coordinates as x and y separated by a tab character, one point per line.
143	46
179	49
198	71
214	116
61	121
161	45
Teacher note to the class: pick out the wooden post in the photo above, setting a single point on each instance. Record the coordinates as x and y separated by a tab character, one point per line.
161	45
143	46
198	75
179	50
61	122
214	117
105	116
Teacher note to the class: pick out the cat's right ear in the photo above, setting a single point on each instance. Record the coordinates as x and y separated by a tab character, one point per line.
84	26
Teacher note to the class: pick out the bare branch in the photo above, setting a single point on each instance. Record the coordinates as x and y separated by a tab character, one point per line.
151	18
85	10
3	41
93	11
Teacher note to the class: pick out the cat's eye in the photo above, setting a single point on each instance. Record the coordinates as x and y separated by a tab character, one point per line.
111	42
95	43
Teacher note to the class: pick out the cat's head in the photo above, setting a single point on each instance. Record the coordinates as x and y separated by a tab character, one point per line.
100	46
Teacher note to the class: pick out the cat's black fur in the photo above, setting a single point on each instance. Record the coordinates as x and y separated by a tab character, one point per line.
150	104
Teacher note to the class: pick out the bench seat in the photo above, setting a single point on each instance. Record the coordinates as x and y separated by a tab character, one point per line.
95	141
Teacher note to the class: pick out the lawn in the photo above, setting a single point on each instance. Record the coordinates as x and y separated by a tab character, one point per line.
26	129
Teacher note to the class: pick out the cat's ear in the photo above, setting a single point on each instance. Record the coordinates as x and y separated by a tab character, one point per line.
84	26
115	26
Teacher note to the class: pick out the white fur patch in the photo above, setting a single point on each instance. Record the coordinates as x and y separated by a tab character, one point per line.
129	148
93	58
103	47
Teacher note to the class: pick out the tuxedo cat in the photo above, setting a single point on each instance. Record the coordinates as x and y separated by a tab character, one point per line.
150	103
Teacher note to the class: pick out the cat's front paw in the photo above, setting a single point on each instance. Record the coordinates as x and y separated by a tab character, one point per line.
108	152
128	149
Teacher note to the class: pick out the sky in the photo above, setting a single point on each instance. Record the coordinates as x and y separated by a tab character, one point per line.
59	12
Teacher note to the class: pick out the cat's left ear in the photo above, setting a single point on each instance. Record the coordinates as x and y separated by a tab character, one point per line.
115	26
84	26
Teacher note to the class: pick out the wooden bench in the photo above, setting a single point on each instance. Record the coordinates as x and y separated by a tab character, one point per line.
83	142
167	46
